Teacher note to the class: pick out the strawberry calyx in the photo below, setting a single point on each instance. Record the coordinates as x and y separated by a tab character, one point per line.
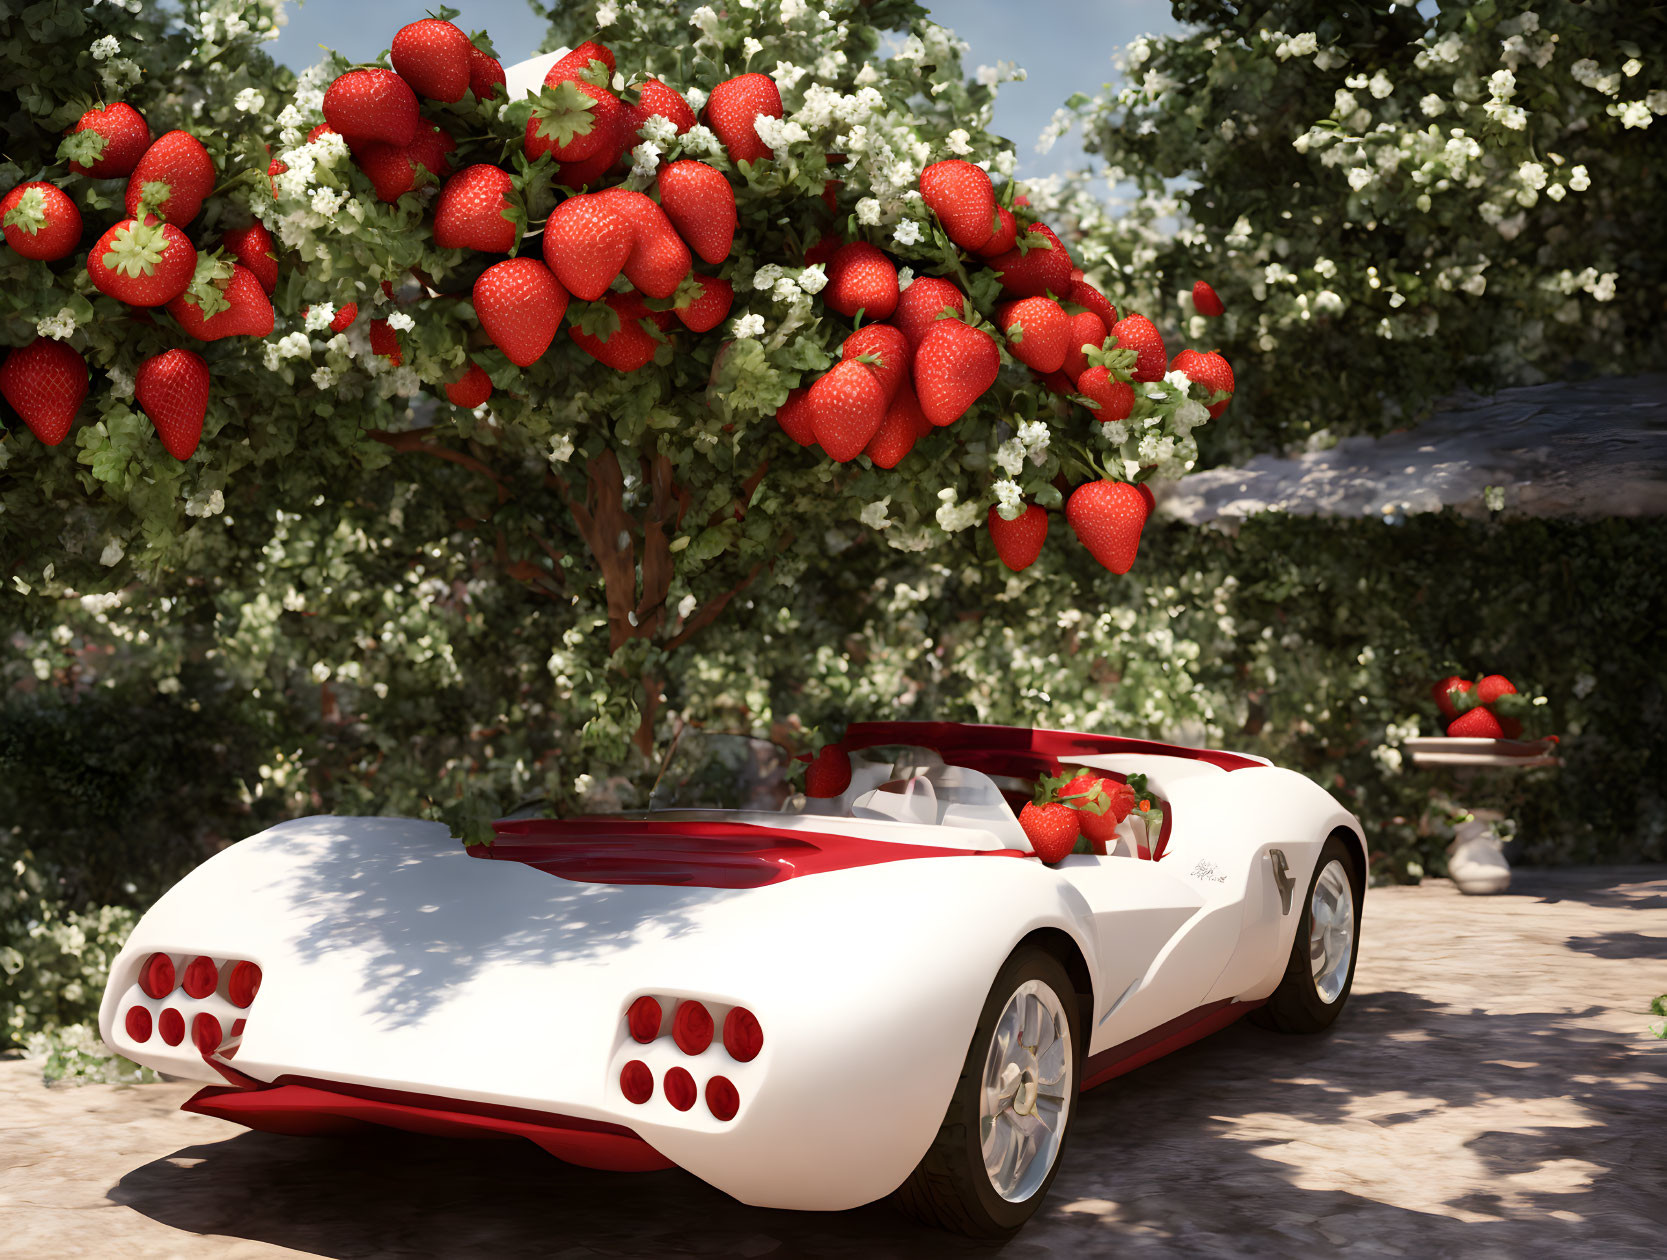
29	213
564	111
208	283
137	246
594	319
155	192
83	148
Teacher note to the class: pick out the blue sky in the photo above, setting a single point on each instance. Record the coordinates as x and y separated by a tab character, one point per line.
1066	45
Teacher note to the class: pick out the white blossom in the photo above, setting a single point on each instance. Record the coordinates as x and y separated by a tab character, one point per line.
749	326
319	316
205	503
958	142
58	327
874	514
1010	503
249	100
907	233
814	279
105	48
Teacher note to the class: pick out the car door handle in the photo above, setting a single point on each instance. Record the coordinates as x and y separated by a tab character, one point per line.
1282	878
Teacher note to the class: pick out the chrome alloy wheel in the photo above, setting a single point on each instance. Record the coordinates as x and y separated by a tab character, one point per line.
1331	931
1025	1097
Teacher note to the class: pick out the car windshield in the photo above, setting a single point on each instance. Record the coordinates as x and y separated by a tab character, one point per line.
708	770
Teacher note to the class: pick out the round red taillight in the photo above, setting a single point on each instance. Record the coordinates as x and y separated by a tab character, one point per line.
138	1023
205	1033
743	1037
156	977
244	984
202	977
680	1089
171	1024
722	1097
636	1082
691	1027
643	1019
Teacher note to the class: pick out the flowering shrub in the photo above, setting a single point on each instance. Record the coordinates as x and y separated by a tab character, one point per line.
1390	204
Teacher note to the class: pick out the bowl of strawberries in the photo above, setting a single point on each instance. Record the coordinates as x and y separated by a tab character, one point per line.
1484	720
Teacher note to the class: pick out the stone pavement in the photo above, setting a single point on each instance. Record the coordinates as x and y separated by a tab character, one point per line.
1492	1090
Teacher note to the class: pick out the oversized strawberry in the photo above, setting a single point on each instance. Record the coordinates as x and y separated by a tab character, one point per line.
921	306
172	389
618	337
579	63
960	194
659	259
486	74
573	120
594	170
1477	723
1003	238
1100	828
795	419
1037	332
126	136
829	774
1114	398
701	205
372	105
1052	829
954	364
1205	301
520	304
1082	330
248	311
710	308
1036	266
45	382
384	342
323	129
40	221
1137	333
173	178
732	109
655	99
1494	686
395	170
1019	541
1107	517
586	243
847	405
885	349
903	426
142	264
433	57
472	389
1442	691
861	278
1209	370
1089	298
477	210
254	248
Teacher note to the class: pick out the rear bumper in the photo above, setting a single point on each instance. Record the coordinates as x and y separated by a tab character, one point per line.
304	1107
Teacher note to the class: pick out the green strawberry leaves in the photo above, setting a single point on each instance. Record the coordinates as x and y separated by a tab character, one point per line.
137	248
83	147
594	319
29	213
207	288
564	111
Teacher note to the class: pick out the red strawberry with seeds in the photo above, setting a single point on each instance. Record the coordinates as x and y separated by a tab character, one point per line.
847	405
253	247
954	364
470	211
1443	700
708	310
384	341
486	75
344	317
1041	266
1494	686
126	137
578	63
1477	723
656	99
372	105
323	129
433	57
1107	517
1082	330
732	109
142	264
886	349
574	120
1037	332
394	170
1003	238
172	389
1051	829
173	178
1019	541
1205	301
1147	497
248	313
861	278
1209	370
1101	829
45	382
1137	333
1115	397
701	205
586	243
903	426
795	418
590	172
829	774
960	194
472	390
627	347
40	221
659	259
919	306
1089	298
520	304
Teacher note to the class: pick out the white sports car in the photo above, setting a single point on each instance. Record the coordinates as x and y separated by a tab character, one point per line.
807	1003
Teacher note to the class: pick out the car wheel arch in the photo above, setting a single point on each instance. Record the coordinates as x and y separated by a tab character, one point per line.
1065	950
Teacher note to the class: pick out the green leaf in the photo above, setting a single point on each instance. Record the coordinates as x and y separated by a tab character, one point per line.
563	112
83	147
